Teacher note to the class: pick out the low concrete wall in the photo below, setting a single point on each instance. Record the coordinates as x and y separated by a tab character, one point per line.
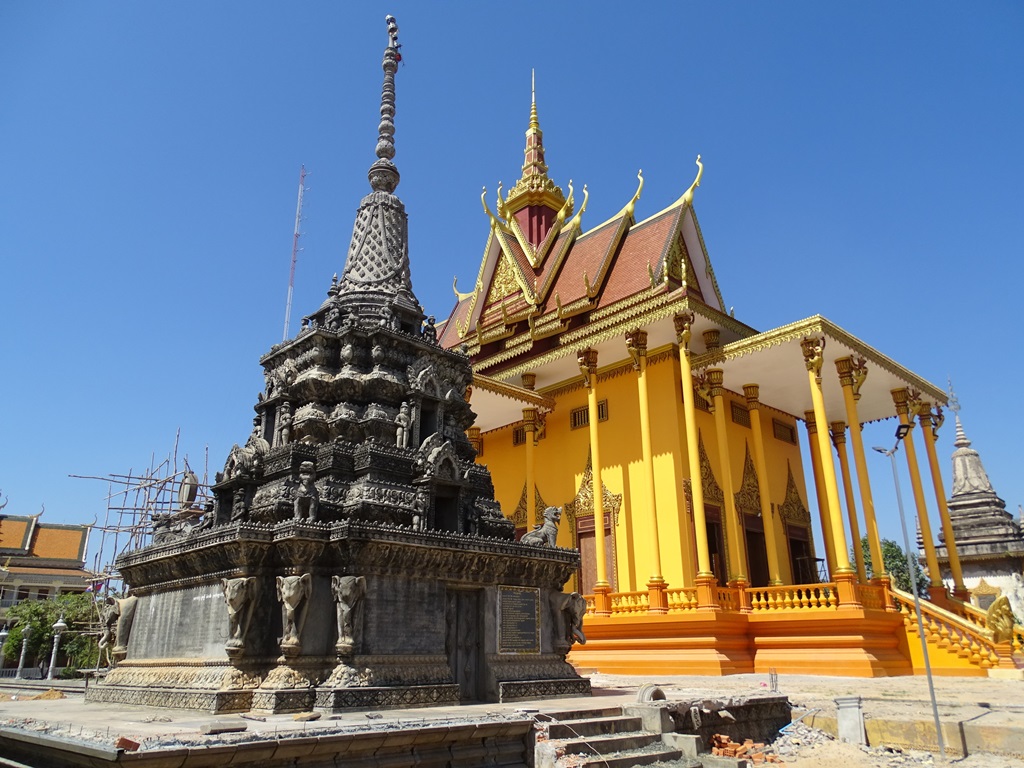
461	745
962	738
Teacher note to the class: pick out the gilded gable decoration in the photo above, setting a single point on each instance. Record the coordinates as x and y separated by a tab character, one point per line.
504	283
519	516
793	509
583	504
713	493
748	498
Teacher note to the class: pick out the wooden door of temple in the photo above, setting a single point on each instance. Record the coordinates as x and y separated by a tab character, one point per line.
464	641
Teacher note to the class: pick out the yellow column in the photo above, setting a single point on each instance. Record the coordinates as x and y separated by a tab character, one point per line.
819	490
851	376
530	428
587	360
929	425
707	598
844	576
734	526
752	393
636	344
838	430
901	398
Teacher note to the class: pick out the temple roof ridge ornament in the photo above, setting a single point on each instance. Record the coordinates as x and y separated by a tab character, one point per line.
686	199
534	186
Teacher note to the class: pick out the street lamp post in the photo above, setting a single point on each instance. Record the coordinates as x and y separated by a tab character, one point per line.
26	633
59	627
901	432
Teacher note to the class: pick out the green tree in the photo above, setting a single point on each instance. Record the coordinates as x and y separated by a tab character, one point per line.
895	561
77	643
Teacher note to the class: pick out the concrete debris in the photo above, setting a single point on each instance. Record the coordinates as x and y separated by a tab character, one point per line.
305	717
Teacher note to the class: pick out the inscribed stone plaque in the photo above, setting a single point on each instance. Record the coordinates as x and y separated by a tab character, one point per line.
518	628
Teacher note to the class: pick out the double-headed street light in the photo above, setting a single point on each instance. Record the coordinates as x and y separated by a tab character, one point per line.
901	432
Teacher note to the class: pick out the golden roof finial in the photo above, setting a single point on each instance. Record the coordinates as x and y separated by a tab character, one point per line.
534	187
534	122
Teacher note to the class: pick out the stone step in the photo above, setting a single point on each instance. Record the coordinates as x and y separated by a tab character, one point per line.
603	745
565	715
594	726
647	757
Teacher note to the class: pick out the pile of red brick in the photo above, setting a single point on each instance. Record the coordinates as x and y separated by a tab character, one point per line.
723	746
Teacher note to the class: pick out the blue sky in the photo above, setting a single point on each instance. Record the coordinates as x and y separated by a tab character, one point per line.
862	161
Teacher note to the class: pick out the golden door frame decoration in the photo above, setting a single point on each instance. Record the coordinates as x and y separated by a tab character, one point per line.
583	506
748	497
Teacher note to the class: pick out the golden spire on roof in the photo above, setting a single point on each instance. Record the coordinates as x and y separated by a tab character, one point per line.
534	187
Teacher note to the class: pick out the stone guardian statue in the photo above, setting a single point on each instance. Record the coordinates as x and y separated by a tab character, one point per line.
348	594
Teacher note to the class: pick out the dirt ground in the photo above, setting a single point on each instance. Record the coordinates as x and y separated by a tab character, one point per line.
997	702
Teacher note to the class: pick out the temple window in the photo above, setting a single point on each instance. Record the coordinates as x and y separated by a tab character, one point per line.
740	415
783	431
580	417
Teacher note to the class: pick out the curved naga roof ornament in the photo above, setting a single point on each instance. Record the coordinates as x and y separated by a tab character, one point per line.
575	220
687	197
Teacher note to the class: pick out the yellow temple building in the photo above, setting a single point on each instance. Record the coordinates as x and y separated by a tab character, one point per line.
607	367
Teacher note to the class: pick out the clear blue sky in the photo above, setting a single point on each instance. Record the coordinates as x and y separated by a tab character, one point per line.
863	161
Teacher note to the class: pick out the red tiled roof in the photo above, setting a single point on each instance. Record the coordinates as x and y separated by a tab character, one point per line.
587	255
644	245
449	336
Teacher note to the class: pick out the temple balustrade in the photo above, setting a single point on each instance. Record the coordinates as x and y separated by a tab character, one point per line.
797	597
954	633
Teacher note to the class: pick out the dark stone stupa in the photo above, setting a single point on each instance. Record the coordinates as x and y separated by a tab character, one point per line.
355	556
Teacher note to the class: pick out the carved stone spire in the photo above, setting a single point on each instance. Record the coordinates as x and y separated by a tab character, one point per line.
982	526
376	284
383	174
969	475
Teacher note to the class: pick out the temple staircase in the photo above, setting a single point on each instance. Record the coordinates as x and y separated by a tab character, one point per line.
601	737
959	642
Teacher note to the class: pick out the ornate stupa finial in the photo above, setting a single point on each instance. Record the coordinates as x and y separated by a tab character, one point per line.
954	403
375	285
383	174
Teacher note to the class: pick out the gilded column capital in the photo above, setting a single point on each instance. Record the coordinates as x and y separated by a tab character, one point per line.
529	381
683	323
813	348
852	373
715	379
530	419
753	393
587	361
812	425
901	399
475	439
636	345
838	431
712	339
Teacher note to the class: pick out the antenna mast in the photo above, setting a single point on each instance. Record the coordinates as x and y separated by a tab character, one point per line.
295	253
